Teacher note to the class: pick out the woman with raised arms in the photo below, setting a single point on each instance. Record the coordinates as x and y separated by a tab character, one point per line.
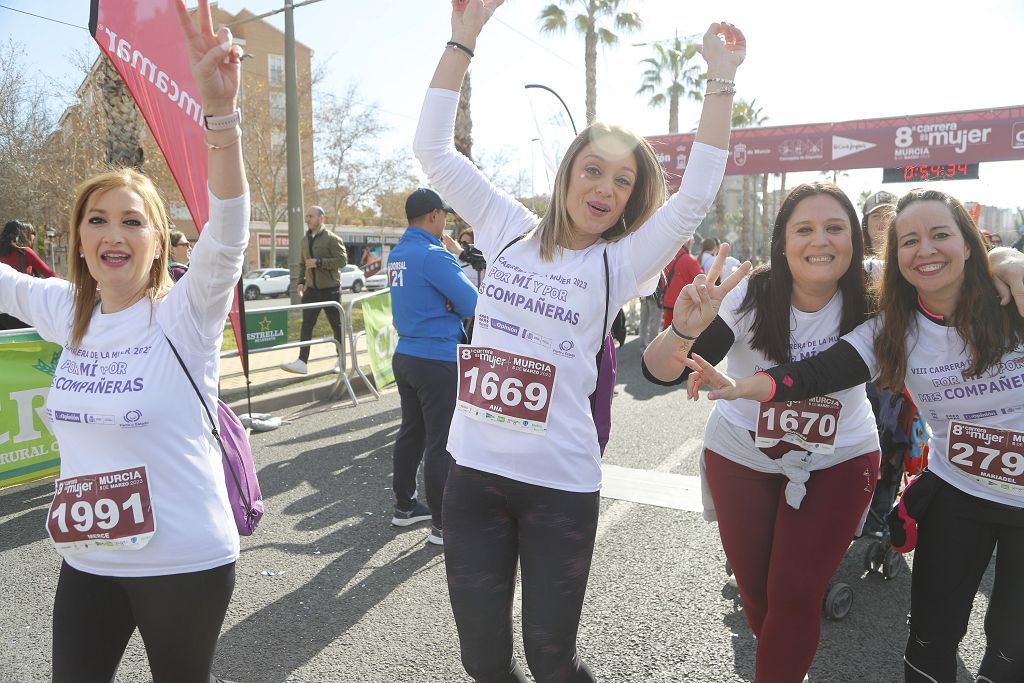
525	486
141	513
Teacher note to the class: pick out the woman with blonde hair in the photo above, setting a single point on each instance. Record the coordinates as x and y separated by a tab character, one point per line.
526	484
140	512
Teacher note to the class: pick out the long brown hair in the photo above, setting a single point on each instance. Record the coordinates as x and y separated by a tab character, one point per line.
83	284
989	331
770	290
648	194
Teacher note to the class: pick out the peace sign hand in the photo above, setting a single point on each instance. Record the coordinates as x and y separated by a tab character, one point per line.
700	300
215	61
758	387
469	17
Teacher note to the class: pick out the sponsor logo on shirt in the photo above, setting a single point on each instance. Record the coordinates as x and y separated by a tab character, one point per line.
536	338
503	326
94	419
483	320
1012	409
975	416
565	349
133	419
65	416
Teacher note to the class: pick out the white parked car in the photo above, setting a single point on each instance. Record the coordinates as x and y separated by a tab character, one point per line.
265	282
378	281
352	277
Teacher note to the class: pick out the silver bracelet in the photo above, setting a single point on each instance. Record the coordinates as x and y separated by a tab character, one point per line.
723	81
723	91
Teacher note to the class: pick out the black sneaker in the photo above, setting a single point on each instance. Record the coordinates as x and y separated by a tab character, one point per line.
419	513
436	535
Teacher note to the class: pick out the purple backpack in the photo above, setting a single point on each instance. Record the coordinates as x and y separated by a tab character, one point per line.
244	496
601	399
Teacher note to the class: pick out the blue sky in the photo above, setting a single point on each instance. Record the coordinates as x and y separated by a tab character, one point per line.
808	62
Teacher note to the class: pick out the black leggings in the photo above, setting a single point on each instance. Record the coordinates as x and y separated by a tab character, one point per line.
179	617
490	523
956	537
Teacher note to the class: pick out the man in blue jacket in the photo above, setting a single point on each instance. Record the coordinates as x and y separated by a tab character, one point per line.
430	296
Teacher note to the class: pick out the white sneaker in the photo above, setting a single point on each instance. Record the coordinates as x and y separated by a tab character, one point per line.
297	366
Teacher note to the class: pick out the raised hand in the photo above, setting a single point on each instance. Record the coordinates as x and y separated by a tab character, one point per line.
724	45
469	17
215	61
699	301
756	387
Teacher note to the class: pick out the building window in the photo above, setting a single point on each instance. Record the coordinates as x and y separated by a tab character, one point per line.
275	70
277	106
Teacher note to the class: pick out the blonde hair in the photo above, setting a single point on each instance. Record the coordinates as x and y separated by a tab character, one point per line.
83	284
649	191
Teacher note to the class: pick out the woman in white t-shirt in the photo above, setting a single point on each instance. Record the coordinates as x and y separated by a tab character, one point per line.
942	333
525	486
788	484
140	511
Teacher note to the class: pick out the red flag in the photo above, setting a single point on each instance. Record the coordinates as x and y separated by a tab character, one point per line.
143	42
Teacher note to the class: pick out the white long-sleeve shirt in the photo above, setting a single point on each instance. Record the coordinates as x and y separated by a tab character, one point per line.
550	310
122	400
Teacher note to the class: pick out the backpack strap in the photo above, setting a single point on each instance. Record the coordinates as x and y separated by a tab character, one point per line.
607	295
213	427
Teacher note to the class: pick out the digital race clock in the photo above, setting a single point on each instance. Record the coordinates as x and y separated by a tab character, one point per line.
925	172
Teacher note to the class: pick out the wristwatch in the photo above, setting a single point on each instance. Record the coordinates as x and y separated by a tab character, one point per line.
223	122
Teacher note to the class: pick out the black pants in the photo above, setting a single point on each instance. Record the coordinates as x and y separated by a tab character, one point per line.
490	524
178	616
427	389
955	541
312	295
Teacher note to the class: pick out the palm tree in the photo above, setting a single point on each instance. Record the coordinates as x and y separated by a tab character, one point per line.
684	81
553	19
124	133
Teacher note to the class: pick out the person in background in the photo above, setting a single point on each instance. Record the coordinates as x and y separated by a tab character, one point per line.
319	280
430	297
681	272
15	252
181	250
708	250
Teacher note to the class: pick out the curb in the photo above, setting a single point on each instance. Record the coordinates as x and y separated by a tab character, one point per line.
314	390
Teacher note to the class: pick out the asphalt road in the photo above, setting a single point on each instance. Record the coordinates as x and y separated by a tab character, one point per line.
328	591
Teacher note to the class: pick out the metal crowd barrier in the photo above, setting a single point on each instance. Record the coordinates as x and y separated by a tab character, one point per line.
354	338
343	374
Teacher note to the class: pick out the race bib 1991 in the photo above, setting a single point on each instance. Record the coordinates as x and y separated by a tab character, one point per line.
505	389
109	511
812	423
993	457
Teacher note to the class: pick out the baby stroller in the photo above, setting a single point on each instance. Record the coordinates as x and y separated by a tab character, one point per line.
904	443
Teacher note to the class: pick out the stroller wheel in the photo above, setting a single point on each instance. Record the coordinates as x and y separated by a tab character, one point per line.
874	557
892	566
838	601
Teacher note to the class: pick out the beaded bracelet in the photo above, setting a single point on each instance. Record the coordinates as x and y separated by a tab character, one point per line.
723	91
723	81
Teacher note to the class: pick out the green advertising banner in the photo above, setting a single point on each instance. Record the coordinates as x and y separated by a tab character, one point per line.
266	329
381	338
16	336
28	449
